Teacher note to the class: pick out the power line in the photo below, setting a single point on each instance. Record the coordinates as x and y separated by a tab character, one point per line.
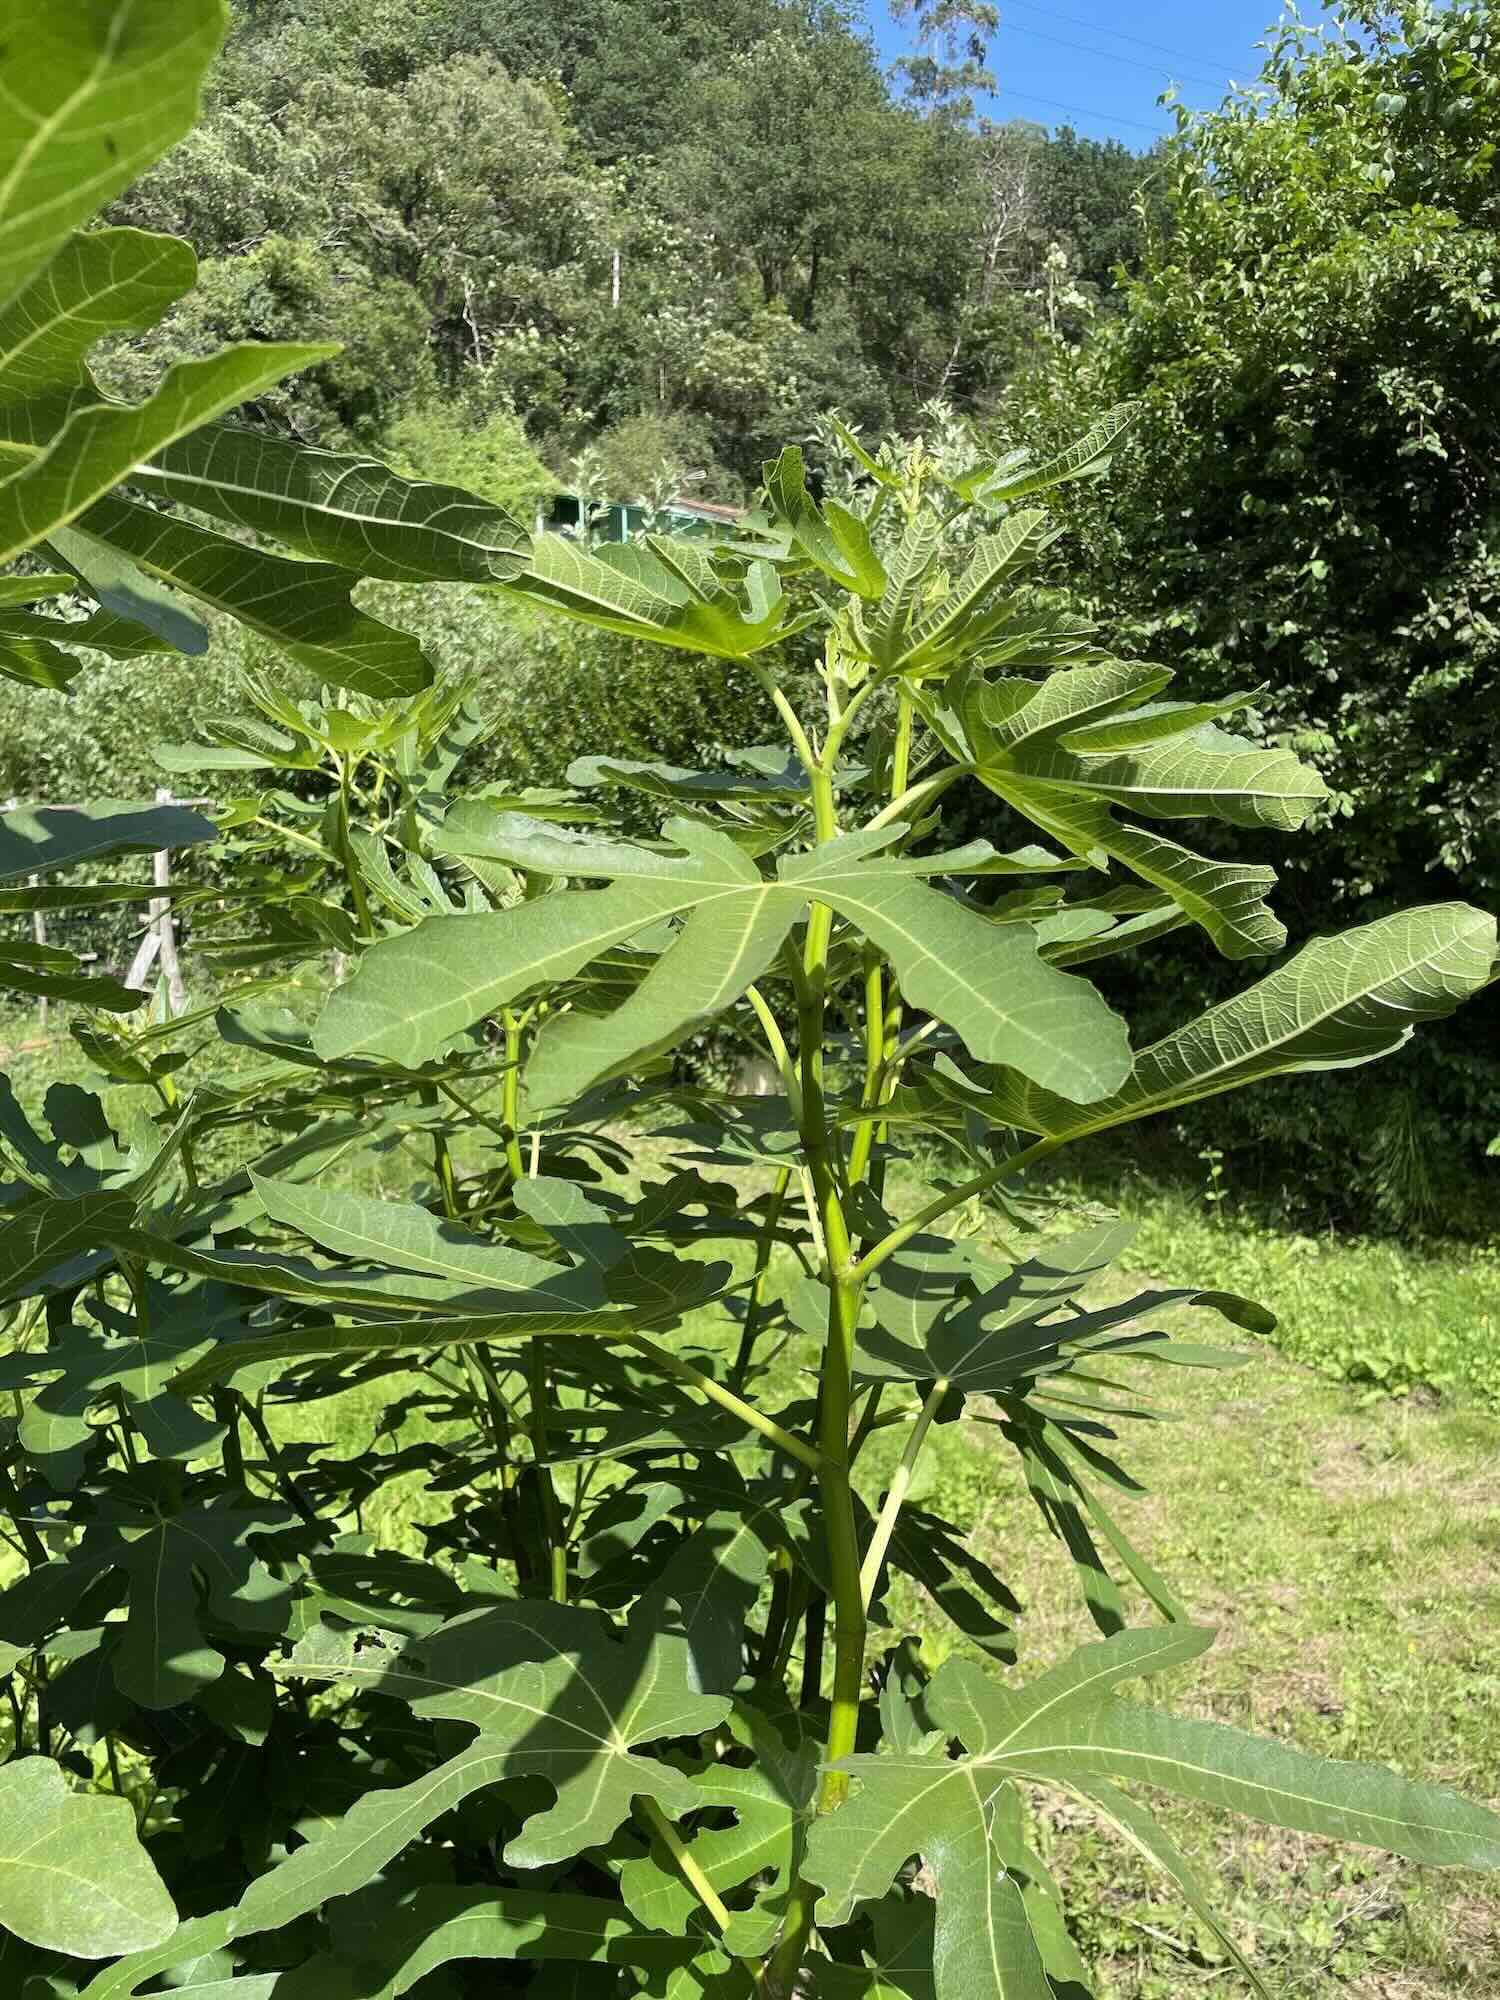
1082	111
1111	55
1118	34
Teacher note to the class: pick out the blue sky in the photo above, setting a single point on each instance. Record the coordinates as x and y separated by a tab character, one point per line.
1086	63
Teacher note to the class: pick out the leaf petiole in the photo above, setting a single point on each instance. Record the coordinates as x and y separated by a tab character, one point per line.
727	1400
900	1486
944	1204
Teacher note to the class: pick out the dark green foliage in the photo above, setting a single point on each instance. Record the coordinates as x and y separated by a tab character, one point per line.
443	188
452	227
1090	202
635	68
1307	496
1307	501
570	694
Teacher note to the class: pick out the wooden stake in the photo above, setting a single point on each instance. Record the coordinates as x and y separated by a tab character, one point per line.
161	916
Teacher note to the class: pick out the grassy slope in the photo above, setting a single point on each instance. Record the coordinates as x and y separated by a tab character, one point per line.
1363	1309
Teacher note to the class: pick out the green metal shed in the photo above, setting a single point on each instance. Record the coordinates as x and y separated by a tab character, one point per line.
623	520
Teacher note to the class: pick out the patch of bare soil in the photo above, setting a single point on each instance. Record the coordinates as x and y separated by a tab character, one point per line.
1360	1470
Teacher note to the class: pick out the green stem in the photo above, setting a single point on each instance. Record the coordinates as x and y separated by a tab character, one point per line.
901	749
900	1048
835	1396
484	1361
442	1160
226	1402
581	1486
726	1399
481	1400
869	1420
471	1110
840	727
864	1132
776	1042
286	1485
510	1096
127	1435
346	855
812	1650
922	793
882	1024
944	1204
39	1689
295	835
900	1486
682	1856
843	1539
806	755
113	1755
536	1380
797	1602
31	1541
776	1614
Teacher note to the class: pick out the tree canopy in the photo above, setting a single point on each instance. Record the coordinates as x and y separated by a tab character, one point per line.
724	218
1308	497
1309	494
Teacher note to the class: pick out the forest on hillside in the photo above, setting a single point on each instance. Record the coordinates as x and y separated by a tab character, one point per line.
670	235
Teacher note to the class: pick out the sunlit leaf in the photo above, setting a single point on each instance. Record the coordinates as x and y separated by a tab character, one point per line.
35	661
984	1948
74	1877
102	443
93	93
637	595
415	992
991	485
350	511
102	282
1341	1001
836	540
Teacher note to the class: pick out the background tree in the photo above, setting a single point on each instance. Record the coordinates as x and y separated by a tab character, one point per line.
952	63
1094	196
1309	498
444	188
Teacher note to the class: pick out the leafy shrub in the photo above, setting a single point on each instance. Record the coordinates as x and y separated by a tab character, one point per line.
570	694
674	448
464	443
623	1711
1306	502
284	286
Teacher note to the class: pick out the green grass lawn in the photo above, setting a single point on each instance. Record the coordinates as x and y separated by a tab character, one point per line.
1345	1543
1346	1552
1391	1315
